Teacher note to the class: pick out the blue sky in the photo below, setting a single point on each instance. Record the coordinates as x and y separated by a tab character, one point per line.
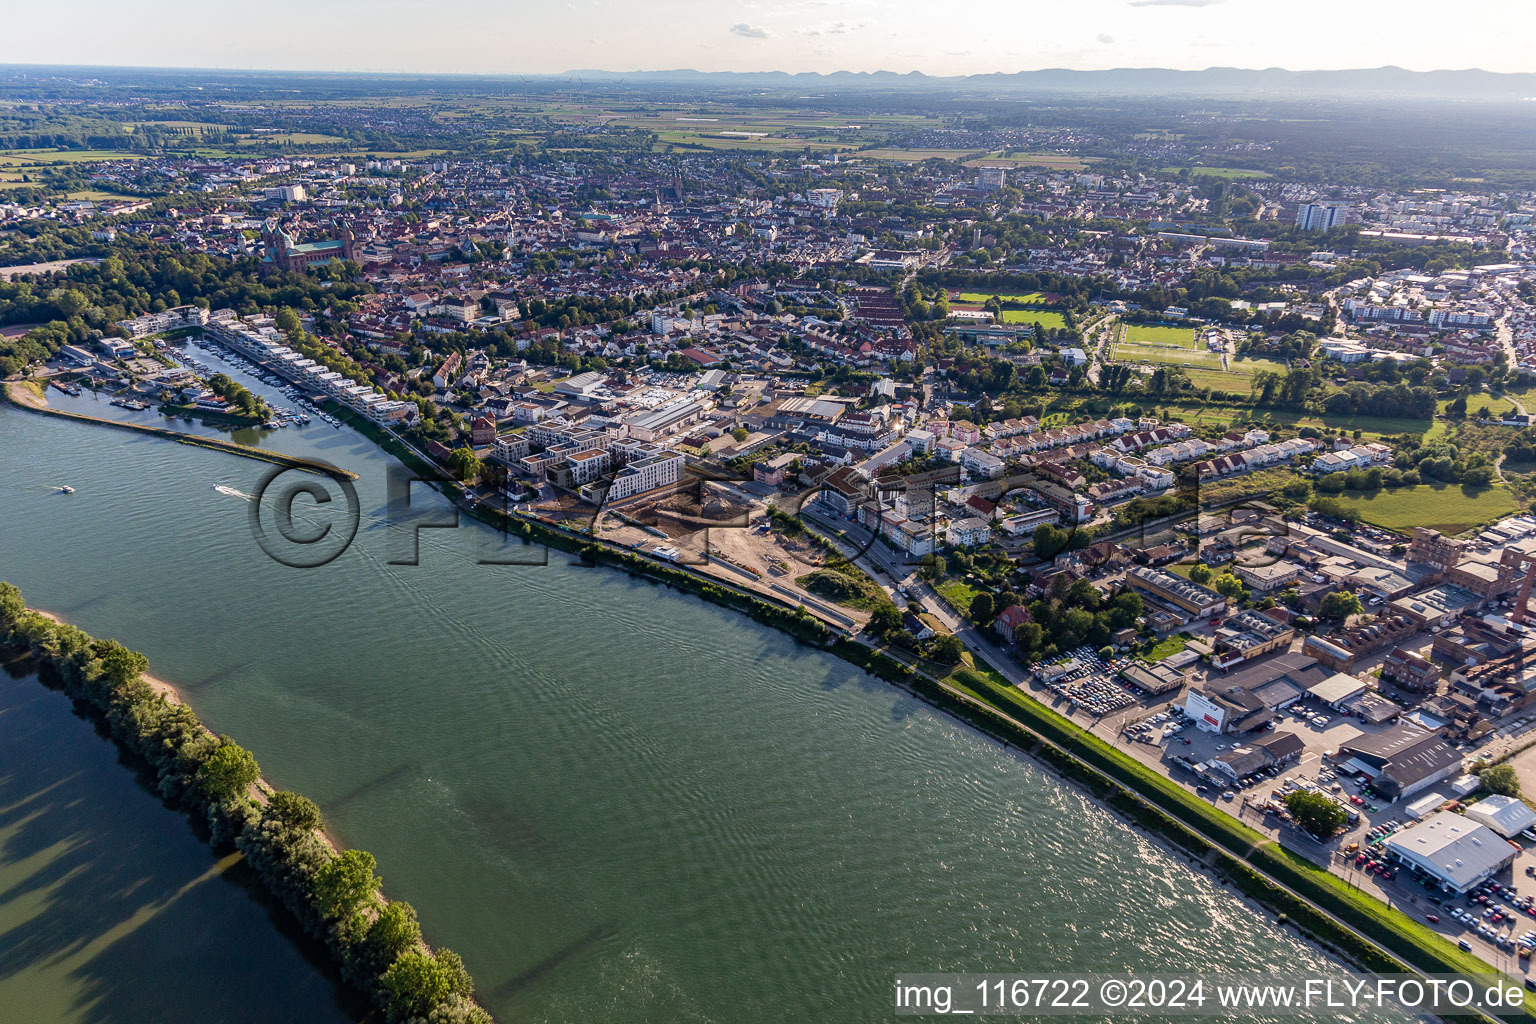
933	36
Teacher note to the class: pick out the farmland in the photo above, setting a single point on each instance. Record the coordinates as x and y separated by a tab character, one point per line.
1125	353
1055	161
1218	380
917	155
43	157
1497	405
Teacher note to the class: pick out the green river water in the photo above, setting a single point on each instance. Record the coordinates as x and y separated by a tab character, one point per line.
618	802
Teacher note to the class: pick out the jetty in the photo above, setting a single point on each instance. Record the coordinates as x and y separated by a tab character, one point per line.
23	397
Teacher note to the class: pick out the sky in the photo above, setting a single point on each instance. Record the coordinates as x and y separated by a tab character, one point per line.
937	37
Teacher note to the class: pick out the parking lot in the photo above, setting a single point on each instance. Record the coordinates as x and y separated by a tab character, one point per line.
1155	731
1086	681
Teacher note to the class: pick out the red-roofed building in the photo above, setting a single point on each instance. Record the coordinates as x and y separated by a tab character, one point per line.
701	357
1010	619
983	508
482	430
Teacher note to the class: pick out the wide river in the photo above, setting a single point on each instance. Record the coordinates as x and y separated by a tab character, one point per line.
618	802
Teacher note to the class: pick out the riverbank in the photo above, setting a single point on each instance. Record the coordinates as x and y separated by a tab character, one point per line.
115	911
334	894
24	395
1352	925
678	578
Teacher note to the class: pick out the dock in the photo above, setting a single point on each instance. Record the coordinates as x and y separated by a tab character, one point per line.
20	397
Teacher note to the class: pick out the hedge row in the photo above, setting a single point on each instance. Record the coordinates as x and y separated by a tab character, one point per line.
336	897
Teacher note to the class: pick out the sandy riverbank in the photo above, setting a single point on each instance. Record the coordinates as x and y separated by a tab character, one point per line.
171	693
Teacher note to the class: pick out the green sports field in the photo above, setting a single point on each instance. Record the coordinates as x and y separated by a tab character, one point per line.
1157	334
1031	299
1050	320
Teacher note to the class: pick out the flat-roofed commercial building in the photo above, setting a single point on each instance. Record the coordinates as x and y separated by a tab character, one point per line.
1200	602
1506	815
1457	851
1401	760
1267	577
1248	635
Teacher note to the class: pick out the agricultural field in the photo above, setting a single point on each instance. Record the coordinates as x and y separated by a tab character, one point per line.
1449	508
1497	405
296	138
1230	173
1250	365
1048	319
1054	161
1370	427
958	595
187	127
1158	334
1237	377
1125	352
916	155
44	157
744	140
1219	380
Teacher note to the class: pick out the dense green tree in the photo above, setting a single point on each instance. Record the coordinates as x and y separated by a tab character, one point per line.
1315	812
1050	541
392	933
119	665
464	464
947	649
294	811
346	885
1500	779
229	772
419	982
1339	605
981	610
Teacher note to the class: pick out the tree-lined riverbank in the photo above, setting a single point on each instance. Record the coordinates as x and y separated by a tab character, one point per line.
335	895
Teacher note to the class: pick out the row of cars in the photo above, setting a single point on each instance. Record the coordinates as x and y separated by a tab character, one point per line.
1491	908
1162	727
1089	684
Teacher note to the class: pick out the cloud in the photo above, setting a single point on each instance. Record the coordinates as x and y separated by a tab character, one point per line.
1173	3
1106	38
746	31
837	28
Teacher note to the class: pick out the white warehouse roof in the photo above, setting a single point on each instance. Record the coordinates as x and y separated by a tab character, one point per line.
1506	815
1458	851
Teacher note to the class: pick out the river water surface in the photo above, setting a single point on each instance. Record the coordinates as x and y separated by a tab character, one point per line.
618	803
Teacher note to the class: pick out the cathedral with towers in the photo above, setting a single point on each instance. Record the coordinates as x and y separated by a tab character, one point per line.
283	253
